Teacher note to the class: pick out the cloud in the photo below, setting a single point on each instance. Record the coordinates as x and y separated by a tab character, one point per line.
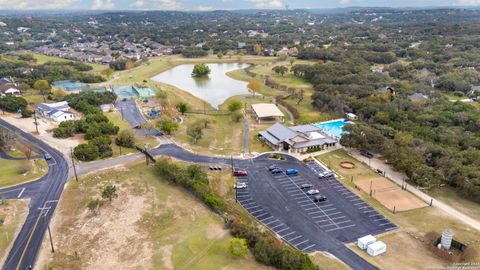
103	4
344	2
35	4
268	3
205	8
157	4
467	3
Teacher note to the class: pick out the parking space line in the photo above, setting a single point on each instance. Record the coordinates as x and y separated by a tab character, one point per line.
319	216
271	222
374	215
368	211
263	220
358	203
250	203
339	217
290	233
306	200
258	217
340	228
315	212
330	209
363	207
345	221
379	219
282	230
328	225
357	199
293	239
303	242
279	225
250	208
332	214
257	211
386	223
303	249
306	209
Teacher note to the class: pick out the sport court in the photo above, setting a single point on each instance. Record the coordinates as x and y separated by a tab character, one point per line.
390	194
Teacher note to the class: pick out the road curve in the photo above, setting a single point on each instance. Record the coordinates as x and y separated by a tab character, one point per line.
44	194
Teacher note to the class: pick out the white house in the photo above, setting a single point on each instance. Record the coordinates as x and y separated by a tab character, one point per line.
57	112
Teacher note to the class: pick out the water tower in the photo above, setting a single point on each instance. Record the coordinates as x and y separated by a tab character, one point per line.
447	237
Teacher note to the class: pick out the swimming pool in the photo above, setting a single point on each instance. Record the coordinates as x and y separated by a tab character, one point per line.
333	128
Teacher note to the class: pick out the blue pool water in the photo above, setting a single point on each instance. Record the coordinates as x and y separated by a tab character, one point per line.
333	128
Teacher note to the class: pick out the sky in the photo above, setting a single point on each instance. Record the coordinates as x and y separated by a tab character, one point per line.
206	5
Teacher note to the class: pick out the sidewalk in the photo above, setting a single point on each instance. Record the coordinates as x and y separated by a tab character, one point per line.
398	178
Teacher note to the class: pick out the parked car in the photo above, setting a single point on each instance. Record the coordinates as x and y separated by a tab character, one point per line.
325	175
305	186
291	171
319	198
276	171
273	167
47	156
313	191
240	185
366	154
240	173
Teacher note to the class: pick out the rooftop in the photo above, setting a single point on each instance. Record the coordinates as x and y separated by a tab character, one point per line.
266	110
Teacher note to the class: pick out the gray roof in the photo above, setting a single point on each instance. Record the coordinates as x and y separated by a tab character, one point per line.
279	133
418	96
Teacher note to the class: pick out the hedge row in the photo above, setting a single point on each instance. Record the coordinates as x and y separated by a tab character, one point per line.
292	109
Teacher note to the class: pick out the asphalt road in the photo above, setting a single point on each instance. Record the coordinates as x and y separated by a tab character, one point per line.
134	117
44	194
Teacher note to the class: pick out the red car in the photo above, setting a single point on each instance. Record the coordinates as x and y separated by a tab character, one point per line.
240	173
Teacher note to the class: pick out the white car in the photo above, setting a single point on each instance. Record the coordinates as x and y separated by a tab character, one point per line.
240	185
313	191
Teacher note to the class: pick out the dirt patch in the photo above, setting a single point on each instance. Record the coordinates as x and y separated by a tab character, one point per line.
347	165
13	213
390	194
167	256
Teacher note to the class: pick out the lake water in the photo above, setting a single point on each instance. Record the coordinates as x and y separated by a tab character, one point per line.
214	89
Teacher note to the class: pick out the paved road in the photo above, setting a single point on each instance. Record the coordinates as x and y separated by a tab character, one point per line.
398	178
134	117
44	194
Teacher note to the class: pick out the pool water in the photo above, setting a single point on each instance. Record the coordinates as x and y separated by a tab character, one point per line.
333	128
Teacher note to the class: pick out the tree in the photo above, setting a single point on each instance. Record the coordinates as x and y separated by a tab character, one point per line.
237	116
255	86
26	150
43	87
108	72
235	105
200	70
291	60
162	97
280	70
167	125
257	48
220	55
94	205
126	138
109	192
182	107
13	103
103	145
195	131
86	152
238	247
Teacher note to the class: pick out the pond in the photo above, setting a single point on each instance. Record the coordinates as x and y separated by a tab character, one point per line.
214	89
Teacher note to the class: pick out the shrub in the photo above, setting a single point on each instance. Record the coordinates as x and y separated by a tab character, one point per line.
167	125
126	138
86	152
235	105
238	247
12	103
26	113
103	145
237	116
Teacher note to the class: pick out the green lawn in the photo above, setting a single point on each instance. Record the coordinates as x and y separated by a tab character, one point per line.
12	171
457	200
42	59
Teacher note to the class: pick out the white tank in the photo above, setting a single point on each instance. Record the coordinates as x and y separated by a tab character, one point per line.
447	237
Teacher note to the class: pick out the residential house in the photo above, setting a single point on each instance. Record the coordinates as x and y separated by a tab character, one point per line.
9	90
58	112
418	97
297	139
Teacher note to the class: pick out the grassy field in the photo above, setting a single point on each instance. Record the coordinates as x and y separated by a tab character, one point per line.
413	224
222	136
151	225
12	213
14	172
42	59
457	200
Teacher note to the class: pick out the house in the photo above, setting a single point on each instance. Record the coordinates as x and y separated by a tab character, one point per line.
106	107
9	90
241	45
296	139
418	97
57	112
267	112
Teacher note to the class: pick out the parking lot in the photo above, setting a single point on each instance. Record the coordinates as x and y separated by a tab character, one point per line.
278	201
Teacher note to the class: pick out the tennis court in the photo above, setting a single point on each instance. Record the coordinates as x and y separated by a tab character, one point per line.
130	91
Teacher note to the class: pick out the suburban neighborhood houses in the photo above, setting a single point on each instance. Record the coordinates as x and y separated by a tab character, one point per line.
239	135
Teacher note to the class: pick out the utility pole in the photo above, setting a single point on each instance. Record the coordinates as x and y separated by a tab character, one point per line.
49	232
120	148
146	155
121	110
73	164
35	117
231	160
